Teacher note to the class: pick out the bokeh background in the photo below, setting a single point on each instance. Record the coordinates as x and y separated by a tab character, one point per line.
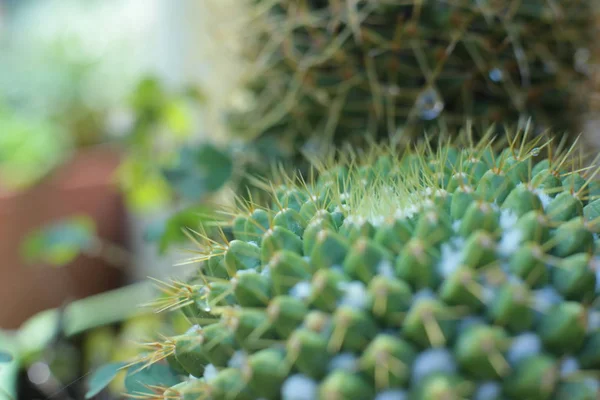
111	143
98	99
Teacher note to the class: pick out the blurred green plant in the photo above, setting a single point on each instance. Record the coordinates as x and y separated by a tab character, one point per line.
107	350
59	61
167	163
60	242
61	76
44	113
161	123
165	159
110	326
199	171
5	357
103	377
30	148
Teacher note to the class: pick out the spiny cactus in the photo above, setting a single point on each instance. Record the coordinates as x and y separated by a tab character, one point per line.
456	273
338	69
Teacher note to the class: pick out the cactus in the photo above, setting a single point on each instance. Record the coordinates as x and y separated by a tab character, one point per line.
463	272
338	69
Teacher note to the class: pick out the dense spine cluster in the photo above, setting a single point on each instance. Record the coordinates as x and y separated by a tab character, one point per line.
459	273
338	69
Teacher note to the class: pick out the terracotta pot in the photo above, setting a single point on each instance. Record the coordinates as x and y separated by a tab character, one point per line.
84	185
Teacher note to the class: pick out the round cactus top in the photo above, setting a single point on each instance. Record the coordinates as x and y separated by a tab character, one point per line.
459	273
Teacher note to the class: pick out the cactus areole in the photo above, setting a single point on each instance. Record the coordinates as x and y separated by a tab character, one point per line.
459	273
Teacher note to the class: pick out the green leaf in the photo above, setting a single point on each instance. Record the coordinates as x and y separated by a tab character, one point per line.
61	242
137	381
102	377
200	171
102	309
5	357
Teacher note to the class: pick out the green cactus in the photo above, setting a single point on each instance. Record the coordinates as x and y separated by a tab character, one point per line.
337	69
456	273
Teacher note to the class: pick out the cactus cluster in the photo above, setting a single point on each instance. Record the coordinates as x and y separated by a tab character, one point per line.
456	273
337	69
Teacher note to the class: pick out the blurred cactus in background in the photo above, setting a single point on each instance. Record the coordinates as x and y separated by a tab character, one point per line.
339	70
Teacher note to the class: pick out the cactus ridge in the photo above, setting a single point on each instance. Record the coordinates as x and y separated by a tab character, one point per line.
341	68
455	273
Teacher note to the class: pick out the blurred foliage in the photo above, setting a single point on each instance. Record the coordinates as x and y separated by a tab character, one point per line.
5	357
164	165
167	164
57	95
102	378
62	73
73	60
30	148
86	334
162	124
199	171
107	349
59	243
55	91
